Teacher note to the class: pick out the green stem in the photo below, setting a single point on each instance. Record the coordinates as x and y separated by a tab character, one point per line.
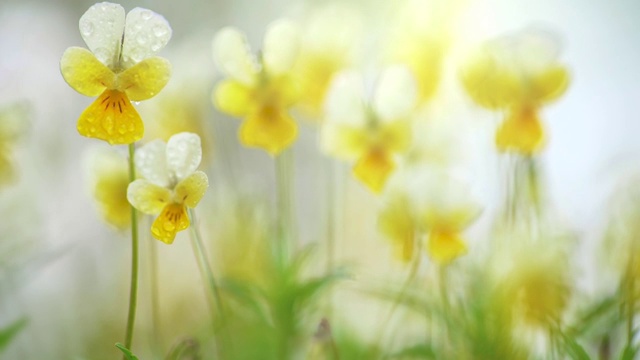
133	292
630	304
155	297
331	225
199	252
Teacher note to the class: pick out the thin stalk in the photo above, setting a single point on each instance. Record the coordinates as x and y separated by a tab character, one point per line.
206	271
330	235
133	292
630	304
155	296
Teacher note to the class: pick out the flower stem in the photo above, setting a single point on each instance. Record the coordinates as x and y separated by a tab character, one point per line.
207	273
133	292
631	301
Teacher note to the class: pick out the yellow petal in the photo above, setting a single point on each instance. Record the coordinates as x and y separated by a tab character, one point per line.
145	79
314	73
489	84
521	132
84	72
270	129
549	84
191	190
373	169
233	98
344	141
7	171
445	246
111	118
172	219
396	223
148	197
110	189
395	136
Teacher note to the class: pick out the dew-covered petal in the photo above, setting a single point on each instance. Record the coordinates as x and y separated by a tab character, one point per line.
151	162
148	197
231	54
281	46
395	95
145	79
343	141
521	132
84	73
549	84
101	28
184	153
173	218
145	34
191	190
345	100
111	118
233	98
373	169
269	129
445	246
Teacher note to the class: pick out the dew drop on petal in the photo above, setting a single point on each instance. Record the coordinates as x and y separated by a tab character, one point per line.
141	40
159	30
168	226
86	28
155	47
146	15
122	128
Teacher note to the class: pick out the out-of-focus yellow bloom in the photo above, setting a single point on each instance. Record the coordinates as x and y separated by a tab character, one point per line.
109	179
371	133
330	38
170	183
120	68
260	91
423	200
13	124
517	74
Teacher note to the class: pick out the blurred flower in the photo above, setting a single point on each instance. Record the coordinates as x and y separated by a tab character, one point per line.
14	119
330	39
372	132
517	74
427	200
170	183
109	179
261	91
119	68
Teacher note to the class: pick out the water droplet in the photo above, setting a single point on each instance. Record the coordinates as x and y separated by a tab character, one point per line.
137	26
155	47
160	30
102	54
131	127
86	28
168	226
122	129
135	103
92	129
146	15
141	40
137	55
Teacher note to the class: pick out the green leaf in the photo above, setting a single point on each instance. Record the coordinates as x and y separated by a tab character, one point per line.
8	334
127	353
629	353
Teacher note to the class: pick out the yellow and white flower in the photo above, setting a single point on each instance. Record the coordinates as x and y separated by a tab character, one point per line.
119	67
109	179
170	183
518	75
371	133
259	90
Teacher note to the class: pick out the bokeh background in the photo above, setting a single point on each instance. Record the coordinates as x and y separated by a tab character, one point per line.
67	271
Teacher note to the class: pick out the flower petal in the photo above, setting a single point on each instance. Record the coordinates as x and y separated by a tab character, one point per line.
345	100
521	132
231	54
101	28
373	169
145	34
549	84
343	141
184	153
234	98
111	118
148	197
172	219
489	83
151	162
191	190
444	246
269	129
145	79
396	222
109	182
281	46
84	72
396	94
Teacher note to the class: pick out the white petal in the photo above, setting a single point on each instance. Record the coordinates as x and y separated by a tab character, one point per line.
151	162
536	49
231	54
101	28
395	95
145	34
148	197
345	102
281	45
184	153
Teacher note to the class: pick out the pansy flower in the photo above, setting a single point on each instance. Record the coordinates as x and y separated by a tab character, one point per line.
371	133
119	67
109	179
259	90
169	184
518	75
